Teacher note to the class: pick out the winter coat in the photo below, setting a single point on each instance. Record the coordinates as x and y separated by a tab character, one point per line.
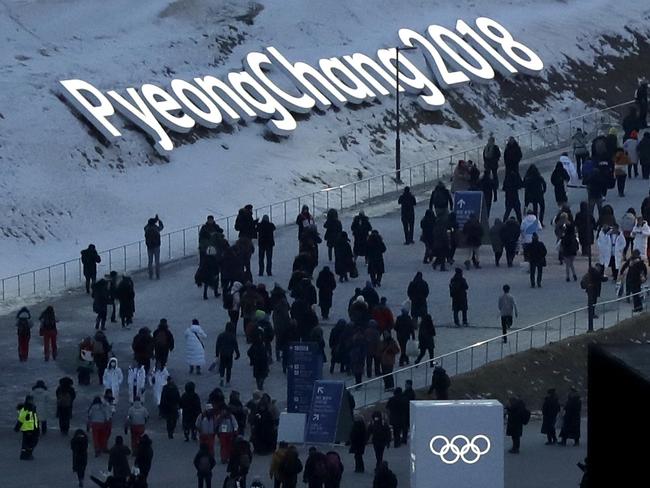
137	414
190	405
404	327
512	156
458	292
170	401
640	235
511	185
407	204
631	148
142	346
152	233
343	258
510	233
610	244
163	341
418	291
621	162
79	447
194	346
426	333
333	229
495	236
358	352
245	224
89	260
113	378
101	296
550	410
265	231
360	230
571	420
326	283
529	226
440	198
379	433
473	232
98	414
118	461
537	254
136	379
358	437
516	417
375	249
258	360
534	188
159	378
569	243
126	295
491	156
226	345
644	150
144	456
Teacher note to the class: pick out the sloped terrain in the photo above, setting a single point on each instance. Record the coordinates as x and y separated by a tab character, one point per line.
63	186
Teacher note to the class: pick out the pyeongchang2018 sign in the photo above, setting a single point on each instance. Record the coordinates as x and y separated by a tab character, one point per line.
453	57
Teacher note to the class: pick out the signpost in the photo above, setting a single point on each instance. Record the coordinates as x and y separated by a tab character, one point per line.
457	443
323	418
305	366
467	203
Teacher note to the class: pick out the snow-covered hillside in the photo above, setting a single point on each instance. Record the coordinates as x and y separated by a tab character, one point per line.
62	188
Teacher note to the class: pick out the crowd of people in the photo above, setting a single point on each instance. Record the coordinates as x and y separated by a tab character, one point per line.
368	340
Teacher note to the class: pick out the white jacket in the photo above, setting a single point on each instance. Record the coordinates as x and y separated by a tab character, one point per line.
159	377
194	349
528	227
640	234
610	244
136	378
631	148
113	378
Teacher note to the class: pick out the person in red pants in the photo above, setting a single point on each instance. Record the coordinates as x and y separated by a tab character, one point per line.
136	420
24	329
227	429
48	331
98	416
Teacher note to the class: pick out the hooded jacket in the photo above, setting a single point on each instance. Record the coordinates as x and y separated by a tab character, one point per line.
113	378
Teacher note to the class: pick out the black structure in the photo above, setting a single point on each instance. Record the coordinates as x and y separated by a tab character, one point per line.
619	415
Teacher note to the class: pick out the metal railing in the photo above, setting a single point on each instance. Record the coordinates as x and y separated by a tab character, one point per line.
184	242
471	357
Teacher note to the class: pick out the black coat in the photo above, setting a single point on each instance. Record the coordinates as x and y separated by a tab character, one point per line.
550	409
458	292
265	231
537	253
440	198
516	418
258	360
126	295
79	446
375	249
571	421
644	150
89	260
101	296
473	231
426	333
418	291
118	461
404	327
510	233
426	224
170	401
358	437
333	229
343	258
407	203
512	156
360	229
326	283
534	188
245	224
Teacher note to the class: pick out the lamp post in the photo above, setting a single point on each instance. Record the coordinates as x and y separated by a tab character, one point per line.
398	144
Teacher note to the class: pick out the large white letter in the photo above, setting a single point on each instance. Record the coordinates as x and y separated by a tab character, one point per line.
141	116
96	114
481	73
209	84
253	63
359	62
210	117
436	64
358	92
166	108
267	107
298	73
415	84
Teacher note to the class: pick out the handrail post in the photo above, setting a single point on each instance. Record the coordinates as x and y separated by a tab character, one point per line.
184	243
124	250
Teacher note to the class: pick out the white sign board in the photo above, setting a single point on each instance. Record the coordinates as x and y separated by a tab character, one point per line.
457	443
292	427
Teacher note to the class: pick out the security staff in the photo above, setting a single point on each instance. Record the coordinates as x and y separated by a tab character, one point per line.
27	424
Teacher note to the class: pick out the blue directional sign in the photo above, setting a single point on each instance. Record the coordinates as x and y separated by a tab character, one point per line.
322	419
304	367
467	203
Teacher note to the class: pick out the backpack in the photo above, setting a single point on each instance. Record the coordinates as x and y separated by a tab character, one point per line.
490	154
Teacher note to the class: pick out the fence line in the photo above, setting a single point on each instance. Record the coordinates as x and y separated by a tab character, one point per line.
184	242
469	358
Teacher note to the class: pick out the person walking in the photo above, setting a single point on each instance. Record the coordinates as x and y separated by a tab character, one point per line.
441	200
163	343
560	179
388	350
49	332
344	259
375	249
333	229
101	299
569	251
290	468
194	347
407	203
358	441
571	418
418	291
426	334
631	150
259	360
191	408
621	163
529	226
24	326
534	190
315	471
490	187
112	378
326	284
458	292
405	330
89	260
152	240
496	240
245	223
473	233
640	233
379	435
635	272
42	402
79	448
550	411
136	421
65	396
491	157
143	458
158	379
507	308
118	461
227	429
440	383
170	404
580	151
360	231
512	183
641	99
334	470
510	237
28	425
397	408
225	348
98	417
536	261
644	155
512	155
517	416
265	244
136	378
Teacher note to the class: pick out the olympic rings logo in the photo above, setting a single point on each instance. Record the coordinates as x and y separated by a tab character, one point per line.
459	447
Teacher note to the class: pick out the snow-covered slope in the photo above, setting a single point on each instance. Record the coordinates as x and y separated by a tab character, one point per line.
61	188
